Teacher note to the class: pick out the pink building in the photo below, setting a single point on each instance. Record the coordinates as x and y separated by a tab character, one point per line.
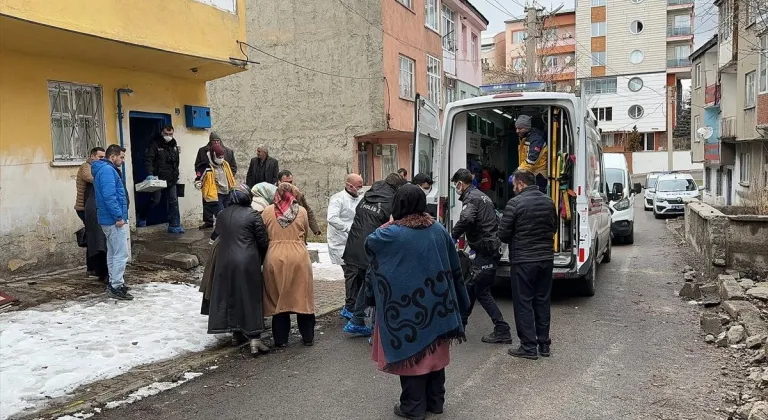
461	25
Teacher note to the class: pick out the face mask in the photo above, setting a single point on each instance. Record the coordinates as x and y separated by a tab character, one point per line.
167	138
426	190
218	160
458	188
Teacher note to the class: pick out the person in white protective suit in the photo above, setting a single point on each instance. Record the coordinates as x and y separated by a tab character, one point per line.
341	213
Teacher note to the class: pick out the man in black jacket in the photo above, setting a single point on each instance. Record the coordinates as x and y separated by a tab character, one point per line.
479	223
161	161
263	168
528	226
373	211
201	164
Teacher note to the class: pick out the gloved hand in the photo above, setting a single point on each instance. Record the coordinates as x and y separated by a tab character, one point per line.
198	185
150	177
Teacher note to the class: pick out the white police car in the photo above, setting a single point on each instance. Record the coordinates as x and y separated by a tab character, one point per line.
673	191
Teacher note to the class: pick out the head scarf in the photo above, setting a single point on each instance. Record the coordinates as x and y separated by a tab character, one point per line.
241	195
286	204
409	199
264	190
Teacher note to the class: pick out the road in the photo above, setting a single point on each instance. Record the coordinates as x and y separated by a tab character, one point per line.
633	351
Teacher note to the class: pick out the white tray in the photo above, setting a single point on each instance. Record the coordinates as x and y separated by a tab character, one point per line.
151	186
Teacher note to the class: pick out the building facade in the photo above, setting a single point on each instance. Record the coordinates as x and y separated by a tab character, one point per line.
81	76
328	102
493	52
628	55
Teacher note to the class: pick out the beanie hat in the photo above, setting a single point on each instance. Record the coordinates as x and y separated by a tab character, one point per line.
213	136
523	121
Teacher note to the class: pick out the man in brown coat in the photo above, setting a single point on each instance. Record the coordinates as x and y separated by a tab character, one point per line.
84	177
287	176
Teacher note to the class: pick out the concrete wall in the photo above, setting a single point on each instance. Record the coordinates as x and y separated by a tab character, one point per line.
307	119
644	162
706	231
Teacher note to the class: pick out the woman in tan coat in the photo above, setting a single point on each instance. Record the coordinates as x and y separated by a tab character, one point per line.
288	282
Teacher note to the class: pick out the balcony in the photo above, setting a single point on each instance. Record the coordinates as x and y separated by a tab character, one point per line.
728	128
712	95
679	31
679	4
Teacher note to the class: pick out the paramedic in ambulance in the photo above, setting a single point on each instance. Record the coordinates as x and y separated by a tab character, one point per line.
533	150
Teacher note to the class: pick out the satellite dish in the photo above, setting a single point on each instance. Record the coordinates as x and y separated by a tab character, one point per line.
704	133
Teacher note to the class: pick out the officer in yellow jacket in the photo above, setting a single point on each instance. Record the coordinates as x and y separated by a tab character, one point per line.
532	150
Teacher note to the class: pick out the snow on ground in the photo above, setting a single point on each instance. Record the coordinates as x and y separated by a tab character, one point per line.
325	269
152	389
49	351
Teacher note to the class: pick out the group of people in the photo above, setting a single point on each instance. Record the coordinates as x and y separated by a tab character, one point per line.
397	259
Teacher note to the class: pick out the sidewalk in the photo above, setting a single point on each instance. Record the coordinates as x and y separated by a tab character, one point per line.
47	353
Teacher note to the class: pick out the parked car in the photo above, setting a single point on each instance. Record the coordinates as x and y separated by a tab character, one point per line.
673	190
621	197
650	189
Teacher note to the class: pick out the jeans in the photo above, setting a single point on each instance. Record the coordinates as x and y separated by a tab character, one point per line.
172	202
117	253
352	284
531	292
422	393
481	279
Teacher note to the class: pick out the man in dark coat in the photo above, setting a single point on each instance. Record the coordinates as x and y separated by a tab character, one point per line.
161	161
201	164
263	168
528	226
373	211
479	223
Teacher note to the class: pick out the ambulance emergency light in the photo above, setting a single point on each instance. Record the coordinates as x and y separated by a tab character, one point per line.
513	87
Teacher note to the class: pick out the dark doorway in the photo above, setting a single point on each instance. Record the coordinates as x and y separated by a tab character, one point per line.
144	125
728	186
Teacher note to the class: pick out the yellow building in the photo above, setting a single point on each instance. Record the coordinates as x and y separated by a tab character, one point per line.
65	68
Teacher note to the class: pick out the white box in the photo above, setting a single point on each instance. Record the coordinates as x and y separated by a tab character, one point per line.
151	185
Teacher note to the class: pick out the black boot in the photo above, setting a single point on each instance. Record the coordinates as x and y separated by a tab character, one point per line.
523	354
498	338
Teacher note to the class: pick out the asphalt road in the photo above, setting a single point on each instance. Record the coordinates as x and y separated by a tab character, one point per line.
633	351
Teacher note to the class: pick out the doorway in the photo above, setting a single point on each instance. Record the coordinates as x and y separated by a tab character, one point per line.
143	126
728	186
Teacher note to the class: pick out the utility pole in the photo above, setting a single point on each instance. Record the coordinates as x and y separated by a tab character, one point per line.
670	128
531	40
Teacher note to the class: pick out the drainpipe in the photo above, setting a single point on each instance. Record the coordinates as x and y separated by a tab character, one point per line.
120	115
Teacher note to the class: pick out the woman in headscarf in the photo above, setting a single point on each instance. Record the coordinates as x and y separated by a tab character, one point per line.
236	302
263	195
415	281
288	283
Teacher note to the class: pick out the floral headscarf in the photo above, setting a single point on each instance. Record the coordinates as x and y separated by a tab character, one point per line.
265	191
286	204
241	195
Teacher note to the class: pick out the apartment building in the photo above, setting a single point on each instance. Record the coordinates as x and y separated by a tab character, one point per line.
628	53
493	52
336	85
731	71
81	76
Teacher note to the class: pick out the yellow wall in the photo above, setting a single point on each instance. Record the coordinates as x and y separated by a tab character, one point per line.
183	26
36	199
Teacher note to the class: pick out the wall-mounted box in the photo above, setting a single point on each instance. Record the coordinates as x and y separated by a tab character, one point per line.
197	116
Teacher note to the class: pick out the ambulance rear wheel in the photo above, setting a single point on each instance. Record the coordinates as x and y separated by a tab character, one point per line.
588	281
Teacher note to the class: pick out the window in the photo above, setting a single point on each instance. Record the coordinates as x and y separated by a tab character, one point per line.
696	124
406	3
636	57
433	79
764	63
77	120
464	37
635	1
518	37
463	95
682	52
636	112
603	114
697	76
551	61
549	35
607	139
598	29
598	3
744	168
450	90
636	27
449	29
749	90
407	67
601	85
433	19
473	48
682	22
708	179
598	58
518	64
362	164
388	161
649	142
635	84
751	13
718	183
726	20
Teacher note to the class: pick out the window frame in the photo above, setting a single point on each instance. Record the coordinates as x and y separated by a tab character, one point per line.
435	25
640	23
636	106
763	65
406	3
599	62
448	28
412	81
601	85
434	80
94	119
642	57
629	84
519	34
599	25
697	75
750	92
598	3
602	113
744	169
473	47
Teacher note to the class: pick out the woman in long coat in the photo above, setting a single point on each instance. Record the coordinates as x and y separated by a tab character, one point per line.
96	250
237	289
288	282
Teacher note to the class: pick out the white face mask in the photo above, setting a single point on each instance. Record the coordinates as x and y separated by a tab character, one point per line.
218	160
167	138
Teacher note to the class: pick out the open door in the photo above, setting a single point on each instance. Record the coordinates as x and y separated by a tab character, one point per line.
425	155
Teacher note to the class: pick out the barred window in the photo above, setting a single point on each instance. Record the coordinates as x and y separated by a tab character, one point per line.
77	120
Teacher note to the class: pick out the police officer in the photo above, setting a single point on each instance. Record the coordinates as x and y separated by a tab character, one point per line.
478	221
532	150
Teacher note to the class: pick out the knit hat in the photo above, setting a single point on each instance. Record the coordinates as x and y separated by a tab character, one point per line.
213	136
217	150
523	121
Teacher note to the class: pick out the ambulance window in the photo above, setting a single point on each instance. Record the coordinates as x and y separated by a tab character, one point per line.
426	155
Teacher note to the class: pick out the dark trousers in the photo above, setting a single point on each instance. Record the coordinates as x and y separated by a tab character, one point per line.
281	327
422	393
541	182
531	292
81	215
352	284
481	278
208	212
358	311
215	208
172	203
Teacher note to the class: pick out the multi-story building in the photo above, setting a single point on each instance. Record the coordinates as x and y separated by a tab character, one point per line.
328	101
80	76
493	52
555	52
732	73
628	54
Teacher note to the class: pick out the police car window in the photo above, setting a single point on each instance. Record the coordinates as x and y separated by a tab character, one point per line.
652	181
675	185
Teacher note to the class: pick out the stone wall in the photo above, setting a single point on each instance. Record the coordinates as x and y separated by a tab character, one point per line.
735	241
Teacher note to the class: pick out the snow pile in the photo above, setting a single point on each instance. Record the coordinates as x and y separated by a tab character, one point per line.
49	352
325	270
152	389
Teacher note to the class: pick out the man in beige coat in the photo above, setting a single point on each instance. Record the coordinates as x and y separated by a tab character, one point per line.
84	177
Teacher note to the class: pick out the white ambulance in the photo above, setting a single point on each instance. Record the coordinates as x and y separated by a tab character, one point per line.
479	134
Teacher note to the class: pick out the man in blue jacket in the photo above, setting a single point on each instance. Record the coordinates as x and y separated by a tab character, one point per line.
112	213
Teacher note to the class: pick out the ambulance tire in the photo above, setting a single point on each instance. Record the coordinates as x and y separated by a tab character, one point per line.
588	281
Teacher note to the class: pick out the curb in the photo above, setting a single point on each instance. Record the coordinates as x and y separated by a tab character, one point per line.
97	394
